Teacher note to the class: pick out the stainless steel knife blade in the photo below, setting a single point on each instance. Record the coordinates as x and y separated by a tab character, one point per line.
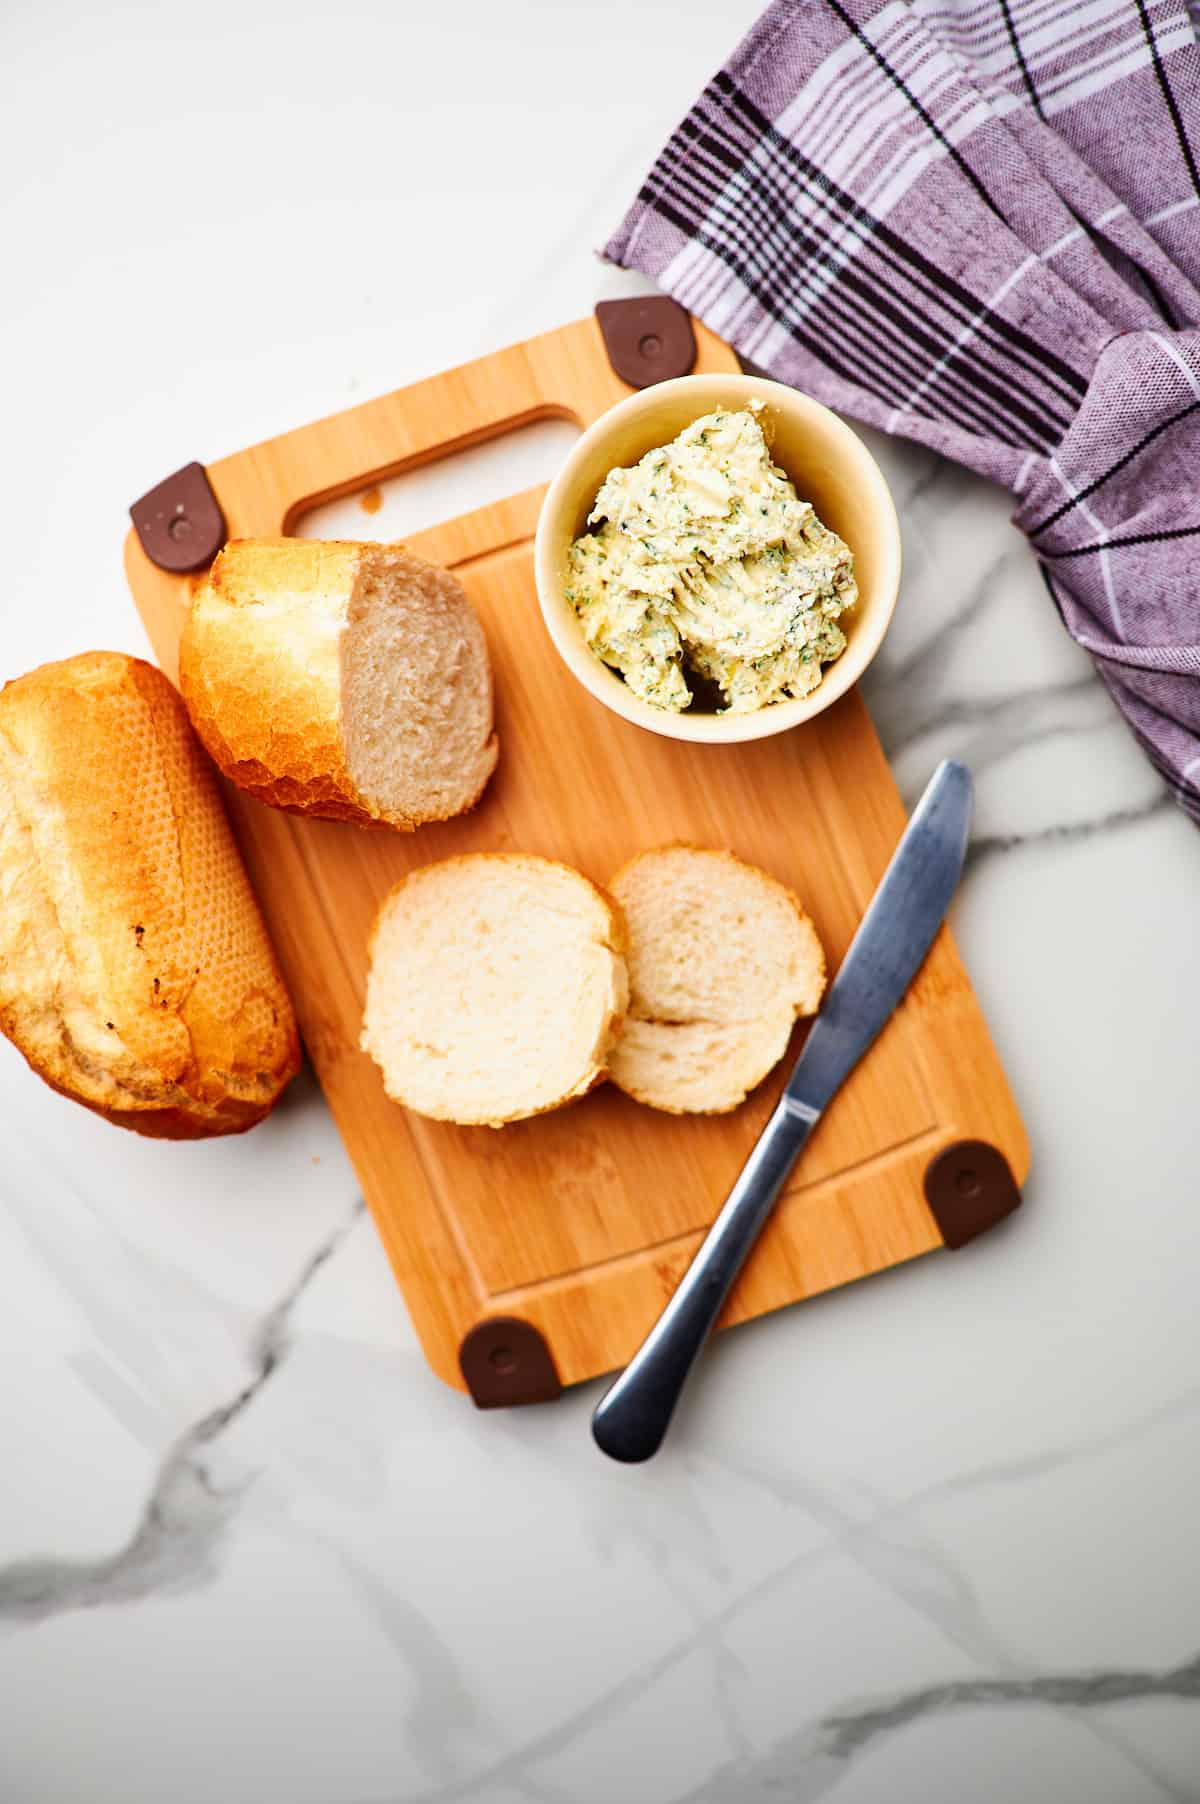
883	958
892	939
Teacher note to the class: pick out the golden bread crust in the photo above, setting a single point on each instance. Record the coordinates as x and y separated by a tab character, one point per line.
262	684
260	669
136	975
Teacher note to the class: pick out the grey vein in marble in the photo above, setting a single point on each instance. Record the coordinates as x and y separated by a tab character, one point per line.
913	698
893	694
441	1714
922	1576
847	1733
1066	832
186	1515
1002	724
926	470
804	1766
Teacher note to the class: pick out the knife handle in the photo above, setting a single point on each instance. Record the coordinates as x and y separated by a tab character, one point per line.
632	1417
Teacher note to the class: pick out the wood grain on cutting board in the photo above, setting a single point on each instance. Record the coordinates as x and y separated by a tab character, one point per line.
582	1222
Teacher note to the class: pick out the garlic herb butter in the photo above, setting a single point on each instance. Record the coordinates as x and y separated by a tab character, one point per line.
703	562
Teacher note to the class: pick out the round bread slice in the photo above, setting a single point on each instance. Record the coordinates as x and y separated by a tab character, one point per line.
722	959
340	679
496	987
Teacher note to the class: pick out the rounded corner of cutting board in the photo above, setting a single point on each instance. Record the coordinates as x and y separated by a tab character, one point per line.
1021	1155
136	564
445	1370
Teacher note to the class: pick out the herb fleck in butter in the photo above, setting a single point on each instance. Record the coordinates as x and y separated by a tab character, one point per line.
704	561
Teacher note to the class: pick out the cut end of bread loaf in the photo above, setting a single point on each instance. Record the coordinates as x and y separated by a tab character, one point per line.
342	679
722	959
136	976
497	985
416	691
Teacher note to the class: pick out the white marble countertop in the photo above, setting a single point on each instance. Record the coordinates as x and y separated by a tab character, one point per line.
929	1539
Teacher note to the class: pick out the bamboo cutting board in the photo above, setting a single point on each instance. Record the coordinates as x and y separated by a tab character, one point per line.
580	1223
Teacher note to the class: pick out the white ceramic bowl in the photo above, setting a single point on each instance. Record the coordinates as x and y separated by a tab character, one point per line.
830	466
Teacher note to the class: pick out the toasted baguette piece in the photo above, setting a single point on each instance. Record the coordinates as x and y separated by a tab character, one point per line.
722	959
135	972
340	679
496	987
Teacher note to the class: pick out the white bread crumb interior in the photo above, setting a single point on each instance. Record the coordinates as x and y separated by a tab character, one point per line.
496	987
722	959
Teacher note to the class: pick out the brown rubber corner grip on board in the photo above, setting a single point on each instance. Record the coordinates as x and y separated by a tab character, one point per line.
969	1187
505	1361
648	337
180	523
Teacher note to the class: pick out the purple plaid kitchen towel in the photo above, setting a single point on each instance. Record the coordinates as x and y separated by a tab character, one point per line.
977	223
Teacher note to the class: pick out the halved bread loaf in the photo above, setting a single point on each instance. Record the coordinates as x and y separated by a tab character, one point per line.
340	679
497	983
135	971
722	959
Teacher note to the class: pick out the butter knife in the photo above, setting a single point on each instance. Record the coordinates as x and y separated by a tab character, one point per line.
884	956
